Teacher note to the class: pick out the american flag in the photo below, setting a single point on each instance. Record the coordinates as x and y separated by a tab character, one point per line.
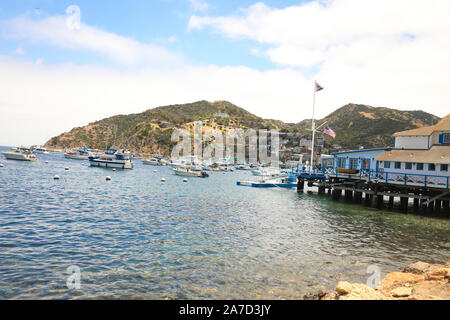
329	132
318	87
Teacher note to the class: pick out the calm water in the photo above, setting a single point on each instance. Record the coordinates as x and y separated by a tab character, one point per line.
137	238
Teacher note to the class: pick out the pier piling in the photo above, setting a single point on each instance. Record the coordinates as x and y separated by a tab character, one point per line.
358	196
404	204
391	203
348	195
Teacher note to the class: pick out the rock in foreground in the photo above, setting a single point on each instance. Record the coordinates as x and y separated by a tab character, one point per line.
418	281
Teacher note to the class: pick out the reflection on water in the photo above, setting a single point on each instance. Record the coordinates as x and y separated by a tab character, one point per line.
137	238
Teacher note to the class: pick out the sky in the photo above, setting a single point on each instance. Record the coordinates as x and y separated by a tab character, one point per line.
65	64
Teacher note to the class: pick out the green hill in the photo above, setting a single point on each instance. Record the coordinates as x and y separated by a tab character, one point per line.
150	131
361	125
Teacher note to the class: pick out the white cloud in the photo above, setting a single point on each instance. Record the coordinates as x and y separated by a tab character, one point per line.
20	51
199	5
360	53
378	52
41	101
54	31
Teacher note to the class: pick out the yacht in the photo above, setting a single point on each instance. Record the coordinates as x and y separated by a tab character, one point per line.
112	158
80	154
22	154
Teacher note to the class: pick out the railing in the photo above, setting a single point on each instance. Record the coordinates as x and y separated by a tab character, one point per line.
410	179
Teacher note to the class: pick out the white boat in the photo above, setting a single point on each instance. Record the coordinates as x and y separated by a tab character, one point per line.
286	182
267	172
187	172
21	154
80	154
112	158
39	149
152	162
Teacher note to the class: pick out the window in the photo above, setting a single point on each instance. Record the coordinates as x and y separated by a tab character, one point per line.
365	163
387	164
444	167
353	164
408	165
341	163
431	167
444	138
398	165
419	166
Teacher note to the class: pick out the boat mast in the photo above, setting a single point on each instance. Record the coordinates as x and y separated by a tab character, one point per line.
107	136
313	127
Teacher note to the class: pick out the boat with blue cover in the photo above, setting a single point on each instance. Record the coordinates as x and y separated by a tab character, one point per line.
276	182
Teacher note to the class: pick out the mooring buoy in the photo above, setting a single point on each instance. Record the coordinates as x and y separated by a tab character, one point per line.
108	178
163	179
56	177
1	165
114	170
155	171
185	180
66	168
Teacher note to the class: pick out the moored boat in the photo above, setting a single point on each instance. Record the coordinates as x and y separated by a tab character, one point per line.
80	154
40	149
20	154
187	172
152	162
278	182
112	158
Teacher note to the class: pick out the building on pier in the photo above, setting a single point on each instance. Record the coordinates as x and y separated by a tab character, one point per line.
417	168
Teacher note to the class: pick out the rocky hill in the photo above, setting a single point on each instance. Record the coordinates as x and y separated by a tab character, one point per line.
150	131
361	125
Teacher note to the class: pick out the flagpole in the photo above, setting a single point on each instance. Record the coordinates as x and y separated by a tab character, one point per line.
313	127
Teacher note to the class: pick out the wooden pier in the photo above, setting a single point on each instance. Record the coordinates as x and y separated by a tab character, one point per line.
378	194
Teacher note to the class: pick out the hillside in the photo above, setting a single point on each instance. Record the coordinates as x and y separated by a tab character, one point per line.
150	131
361	125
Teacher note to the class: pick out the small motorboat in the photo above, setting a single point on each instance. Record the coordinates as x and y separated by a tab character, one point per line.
188	172
40	149
152	162
112	158
278	182
21	154
80	154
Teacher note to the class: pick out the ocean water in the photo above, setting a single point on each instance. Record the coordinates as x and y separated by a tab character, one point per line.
135	237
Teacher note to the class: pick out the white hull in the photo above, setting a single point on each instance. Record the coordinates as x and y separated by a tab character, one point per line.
151	163
185	173
75	156
127	164
18	156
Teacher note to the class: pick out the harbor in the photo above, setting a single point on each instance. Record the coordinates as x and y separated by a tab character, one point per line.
135	237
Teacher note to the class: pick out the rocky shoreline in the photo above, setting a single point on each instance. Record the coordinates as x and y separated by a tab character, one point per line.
418	281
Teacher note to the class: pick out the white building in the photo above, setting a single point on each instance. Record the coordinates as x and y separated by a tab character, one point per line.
422	152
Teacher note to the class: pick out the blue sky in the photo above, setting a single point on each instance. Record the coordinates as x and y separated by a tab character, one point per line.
264	56
153	21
